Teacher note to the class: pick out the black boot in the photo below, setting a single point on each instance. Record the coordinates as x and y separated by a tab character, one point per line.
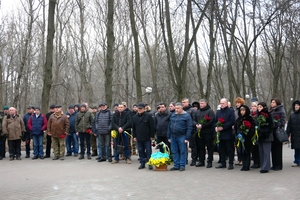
142	166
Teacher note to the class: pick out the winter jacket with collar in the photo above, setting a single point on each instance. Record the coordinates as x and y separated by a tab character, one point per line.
26	119
72	122
58	124
122	120
102	122
293	128
162	121
180	125
84	121
207	127
228	115
37	125
13	126
143	127
279	111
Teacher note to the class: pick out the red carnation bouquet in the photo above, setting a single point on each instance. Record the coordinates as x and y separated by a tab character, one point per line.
262	119
245	127
276	118
202	121
219	123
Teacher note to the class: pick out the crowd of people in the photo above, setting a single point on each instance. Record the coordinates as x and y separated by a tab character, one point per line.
248	131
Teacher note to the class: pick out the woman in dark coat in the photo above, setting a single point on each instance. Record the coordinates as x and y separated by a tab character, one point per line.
255	152
244	135
279	117
265	133
293	130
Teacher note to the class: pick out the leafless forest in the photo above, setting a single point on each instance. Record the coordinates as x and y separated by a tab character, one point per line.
70	51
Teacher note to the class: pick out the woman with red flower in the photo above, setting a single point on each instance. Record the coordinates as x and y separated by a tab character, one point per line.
244	131
265	132
255	151
279	117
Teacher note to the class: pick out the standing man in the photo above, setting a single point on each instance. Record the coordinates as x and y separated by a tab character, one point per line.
134	112
121	122
206	133
72	138
58	127
37	124
162	119
102	123
172	107
2	135
179	132
48	137
30	111
83	127
226	147
12	127
143	132
93	137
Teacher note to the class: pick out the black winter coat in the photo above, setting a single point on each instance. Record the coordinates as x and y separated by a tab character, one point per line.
208	127
143	127
162	121
240	120
122	120
293	128
265	132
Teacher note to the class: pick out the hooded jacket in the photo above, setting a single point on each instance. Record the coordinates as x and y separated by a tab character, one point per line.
293	127
239	122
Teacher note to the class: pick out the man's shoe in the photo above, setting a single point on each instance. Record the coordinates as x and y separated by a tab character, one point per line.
150	167
27	156
110	160
200	164
220	166
174	169
193	163
142	166
230	167
89	157
11	158
101	160
62	158
69	155
41	157
114	161
128	161
209	165
55	158
181	169
98	158
34	157
255	166
295	165
18	158
264	171
75	155
81	157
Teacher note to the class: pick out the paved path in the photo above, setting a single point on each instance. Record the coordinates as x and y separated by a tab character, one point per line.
88	179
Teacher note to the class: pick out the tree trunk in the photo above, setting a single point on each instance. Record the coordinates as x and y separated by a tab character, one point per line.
47	75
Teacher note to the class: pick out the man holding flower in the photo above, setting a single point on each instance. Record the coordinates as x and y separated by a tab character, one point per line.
224	139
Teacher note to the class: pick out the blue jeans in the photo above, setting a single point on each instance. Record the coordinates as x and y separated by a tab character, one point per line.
145	150
72	144
297	156
38	145
179	151
87	138
118	141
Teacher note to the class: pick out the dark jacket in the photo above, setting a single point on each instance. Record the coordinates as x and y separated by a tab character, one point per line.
280	112
247	136
72	122
207	127
102	122
161	123
25	119
122	120
143	127
265	132
37	125
180	125
84	121
229	117
293	128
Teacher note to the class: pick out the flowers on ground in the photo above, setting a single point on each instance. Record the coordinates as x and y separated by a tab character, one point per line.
159	158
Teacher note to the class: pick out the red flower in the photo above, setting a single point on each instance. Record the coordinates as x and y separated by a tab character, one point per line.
265	114
88	131
247	124
221	120
207	118
277	117
62	136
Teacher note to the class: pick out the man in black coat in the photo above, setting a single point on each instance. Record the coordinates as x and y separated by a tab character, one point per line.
143	132
48	137
162	119
206	128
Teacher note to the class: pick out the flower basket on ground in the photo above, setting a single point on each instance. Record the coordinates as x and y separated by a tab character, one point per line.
160	159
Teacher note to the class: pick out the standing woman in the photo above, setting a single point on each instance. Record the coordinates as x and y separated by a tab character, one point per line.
255	151
293	130
244	131
265	133
279	117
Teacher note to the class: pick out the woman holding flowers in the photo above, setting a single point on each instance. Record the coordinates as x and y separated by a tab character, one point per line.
255	151
244	131
279	117
265	133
